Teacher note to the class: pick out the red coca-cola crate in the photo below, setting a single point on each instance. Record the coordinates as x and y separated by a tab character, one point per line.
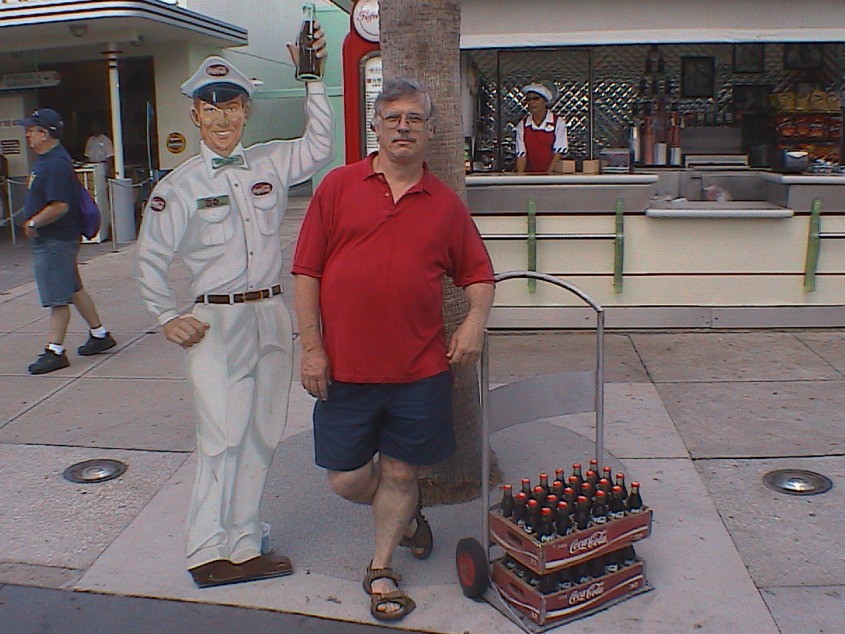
571	549
573	603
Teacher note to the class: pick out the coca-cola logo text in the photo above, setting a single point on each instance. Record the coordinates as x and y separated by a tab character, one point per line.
593	590
217	70
594	540
261	189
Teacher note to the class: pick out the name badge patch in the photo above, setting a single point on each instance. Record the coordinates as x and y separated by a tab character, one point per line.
212	201
157	203
262	189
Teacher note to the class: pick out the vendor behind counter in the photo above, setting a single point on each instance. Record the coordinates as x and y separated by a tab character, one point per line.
541	135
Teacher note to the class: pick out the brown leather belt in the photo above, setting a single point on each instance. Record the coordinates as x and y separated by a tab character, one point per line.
240	298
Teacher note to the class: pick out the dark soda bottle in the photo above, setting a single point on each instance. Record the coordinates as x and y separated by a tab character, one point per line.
520	508
545	529
620	482
563	521
544	482
599	511
582	513
634	503
532	517
308	68
507	504
616	506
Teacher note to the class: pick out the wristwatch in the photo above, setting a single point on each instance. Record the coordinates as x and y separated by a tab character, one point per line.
31	224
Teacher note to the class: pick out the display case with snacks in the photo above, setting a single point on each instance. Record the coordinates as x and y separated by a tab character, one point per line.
809	121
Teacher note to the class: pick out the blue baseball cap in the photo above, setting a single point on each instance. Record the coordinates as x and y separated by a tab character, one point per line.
46	118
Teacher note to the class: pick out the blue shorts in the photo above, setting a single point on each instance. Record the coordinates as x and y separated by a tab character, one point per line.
411	422
55	271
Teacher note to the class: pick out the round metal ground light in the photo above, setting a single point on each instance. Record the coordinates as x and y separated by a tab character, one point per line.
89	471
797	482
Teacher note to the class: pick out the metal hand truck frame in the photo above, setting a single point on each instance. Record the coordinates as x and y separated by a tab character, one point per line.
516	403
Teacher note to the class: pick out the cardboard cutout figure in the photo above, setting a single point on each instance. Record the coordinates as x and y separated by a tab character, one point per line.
220	212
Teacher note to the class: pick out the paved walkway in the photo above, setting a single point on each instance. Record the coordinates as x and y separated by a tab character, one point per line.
697	417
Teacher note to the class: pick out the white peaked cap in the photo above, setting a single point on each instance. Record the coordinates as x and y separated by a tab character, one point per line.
216	70
540	89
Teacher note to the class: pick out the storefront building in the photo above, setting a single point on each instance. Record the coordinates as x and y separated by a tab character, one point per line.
705	140
120	63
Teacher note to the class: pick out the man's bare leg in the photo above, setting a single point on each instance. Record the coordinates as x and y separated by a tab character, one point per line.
391	488
59	320
85	305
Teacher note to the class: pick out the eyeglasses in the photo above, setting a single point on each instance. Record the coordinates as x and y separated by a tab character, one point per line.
414	122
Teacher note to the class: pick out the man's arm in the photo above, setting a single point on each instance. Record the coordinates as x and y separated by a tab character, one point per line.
521	157
468	340
51	212
314	365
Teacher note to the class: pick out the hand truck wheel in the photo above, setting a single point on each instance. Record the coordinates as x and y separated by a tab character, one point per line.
471	563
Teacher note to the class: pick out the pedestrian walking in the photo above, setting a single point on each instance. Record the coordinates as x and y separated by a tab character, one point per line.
53	227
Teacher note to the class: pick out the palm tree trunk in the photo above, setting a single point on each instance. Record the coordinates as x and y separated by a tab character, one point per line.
421	40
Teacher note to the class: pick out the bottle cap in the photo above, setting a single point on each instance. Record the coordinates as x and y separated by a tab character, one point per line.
507	487
635	484
601	494
532	503
546	512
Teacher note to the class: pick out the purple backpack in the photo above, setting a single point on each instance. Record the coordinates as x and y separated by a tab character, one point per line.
89	213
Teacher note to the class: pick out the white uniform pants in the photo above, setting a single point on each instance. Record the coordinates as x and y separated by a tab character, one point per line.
240	375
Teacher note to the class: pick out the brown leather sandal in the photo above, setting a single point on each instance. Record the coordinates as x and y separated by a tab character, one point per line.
421	542
378	599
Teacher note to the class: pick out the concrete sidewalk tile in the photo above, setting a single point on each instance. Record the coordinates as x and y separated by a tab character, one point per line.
785	540
758	419
116	316
701	583
803	610
729	356
148	414
47	521
521	355
56	577
636	425
20	311
148	356
829	345
20	349
24	392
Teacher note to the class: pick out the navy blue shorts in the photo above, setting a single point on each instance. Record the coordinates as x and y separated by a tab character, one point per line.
411	422
55	271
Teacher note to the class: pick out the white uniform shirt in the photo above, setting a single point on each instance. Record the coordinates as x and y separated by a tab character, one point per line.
224	223
551	123
99	148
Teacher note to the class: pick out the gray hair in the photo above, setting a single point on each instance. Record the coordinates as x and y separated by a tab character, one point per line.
399	87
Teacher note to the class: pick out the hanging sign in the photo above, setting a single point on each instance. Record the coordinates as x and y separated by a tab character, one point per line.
365	19
29	81
176	143
372	80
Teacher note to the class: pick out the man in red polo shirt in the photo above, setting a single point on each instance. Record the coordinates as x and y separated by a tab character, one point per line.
375	244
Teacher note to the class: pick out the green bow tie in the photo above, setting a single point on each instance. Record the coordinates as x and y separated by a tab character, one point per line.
220	161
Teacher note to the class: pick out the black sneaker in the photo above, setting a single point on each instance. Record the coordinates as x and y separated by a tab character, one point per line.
96	345
48	362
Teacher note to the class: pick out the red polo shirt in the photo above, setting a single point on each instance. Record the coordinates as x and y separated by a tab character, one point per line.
381	266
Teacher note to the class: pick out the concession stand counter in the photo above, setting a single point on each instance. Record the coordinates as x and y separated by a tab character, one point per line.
705	186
